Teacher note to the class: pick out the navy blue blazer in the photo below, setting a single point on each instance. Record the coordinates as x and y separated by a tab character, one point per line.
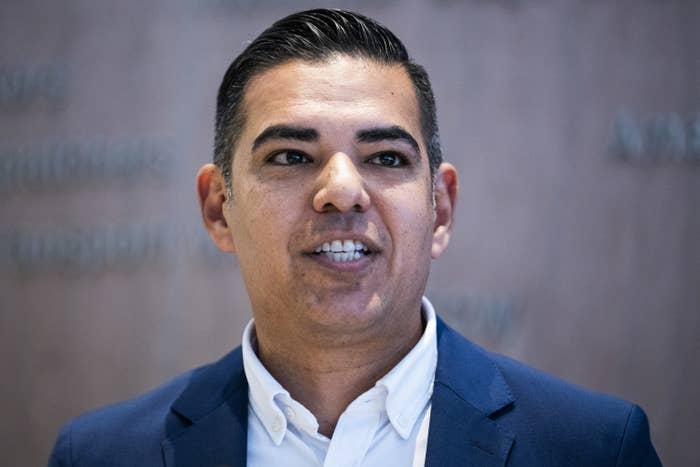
487	411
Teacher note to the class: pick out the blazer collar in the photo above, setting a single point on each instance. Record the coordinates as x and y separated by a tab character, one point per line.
468	395
213	415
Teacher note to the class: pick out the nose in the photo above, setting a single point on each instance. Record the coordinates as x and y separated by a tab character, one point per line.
340	186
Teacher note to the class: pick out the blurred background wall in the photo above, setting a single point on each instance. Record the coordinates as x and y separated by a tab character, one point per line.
575	126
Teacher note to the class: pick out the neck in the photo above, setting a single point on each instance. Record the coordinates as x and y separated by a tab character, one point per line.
327	378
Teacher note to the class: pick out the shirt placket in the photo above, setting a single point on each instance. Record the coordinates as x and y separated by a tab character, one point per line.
354	433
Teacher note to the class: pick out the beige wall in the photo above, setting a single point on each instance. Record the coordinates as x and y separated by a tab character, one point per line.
575	126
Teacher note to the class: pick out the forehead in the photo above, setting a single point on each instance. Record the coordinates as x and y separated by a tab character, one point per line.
340	93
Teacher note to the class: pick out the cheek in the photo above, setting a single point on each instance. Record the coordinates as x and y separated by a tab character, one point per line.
264	218
411	219
259	241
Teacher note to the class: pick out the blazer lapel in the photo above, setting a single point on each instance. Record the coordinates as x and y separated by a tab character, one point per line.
469	391
214	409
212	412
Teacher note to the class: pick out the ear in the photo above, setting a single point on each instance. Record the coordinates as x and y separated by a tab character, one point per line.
211	188
445	195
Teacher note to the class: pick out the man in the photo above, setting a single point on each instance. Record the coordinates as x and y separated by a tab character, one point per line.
328	185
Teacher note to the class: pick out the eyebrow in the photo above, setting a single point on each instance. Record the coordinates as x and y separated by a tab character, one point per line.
285	132
369	135
391	133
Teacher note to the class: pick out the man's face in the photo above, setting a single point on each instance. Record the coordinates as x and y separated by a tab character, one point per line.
331	215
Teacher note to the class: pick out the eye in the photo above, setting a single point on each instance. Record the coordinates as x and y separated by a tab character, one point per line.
388	159
289	158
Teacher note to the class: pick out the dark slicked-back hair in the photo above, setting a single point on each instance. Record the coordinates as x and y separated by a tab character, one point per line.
315	36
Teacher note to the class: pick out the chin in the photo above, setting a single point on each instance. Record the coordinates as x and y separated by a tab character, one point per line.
344	315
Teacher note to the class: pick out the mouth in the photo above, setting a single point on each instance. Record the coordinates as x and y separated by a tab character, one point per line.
342	251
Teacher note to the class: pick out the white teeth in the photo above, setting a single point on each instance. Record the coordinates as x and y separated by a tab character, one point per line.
342	250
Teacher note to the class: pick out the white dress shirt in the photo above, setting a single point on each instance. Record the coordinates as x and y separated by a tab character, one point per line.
385	426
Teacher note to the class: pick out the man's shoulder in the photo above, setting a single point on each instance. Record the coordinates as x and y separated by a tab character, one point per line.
577	425
538	389
536	392
135	428
129	415
552	421
523	382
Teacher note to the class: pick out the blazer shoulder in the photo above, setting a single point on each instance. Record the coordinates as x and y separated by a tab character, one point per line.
552	422
534	386
132	412
130	429
576	423
134	428
472	370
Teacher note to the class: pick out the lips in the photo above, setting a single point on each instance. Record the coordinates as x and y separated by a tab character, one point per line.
342	251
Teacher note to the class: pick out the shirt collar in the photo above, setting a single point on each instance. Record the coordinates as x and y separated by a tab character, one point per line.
263	388
408	386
